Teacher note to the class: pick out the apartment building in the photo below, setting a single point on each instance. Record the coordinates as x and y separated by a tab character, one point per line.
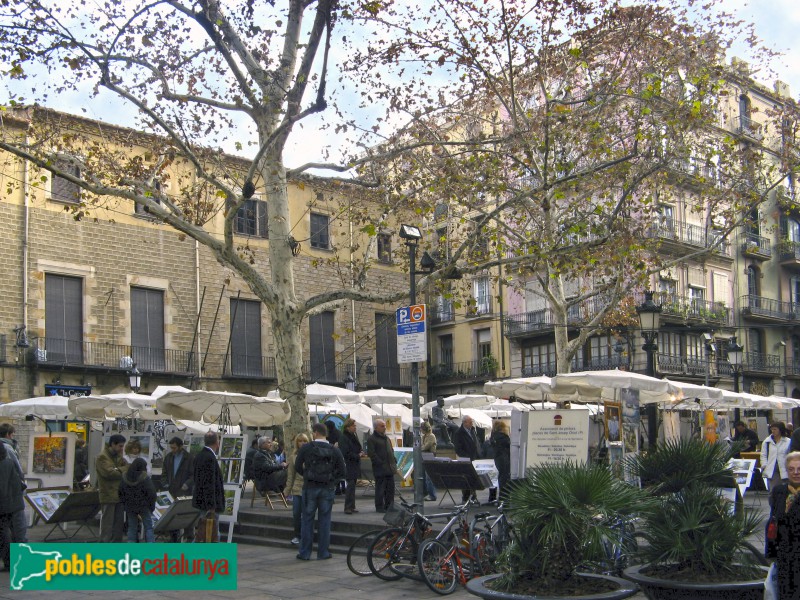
90	291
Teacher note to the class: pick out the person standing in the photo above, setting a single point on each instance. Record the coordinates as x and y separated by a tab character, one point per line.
352	453
138	494
294	488
429	447
209	493
746	436
176	475
333	437
501	443
467	446
19	524
110	466
795	440
384	466
774	449
784	502
322	466
81	463
11	503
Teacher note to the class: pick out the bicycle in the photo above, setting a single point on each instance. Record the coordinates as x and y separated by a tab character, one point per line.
440	564
393	553
358	552
488	535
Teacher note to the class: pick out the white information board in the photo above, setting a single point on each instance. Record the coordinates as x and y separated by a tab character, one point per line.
412	343
556	436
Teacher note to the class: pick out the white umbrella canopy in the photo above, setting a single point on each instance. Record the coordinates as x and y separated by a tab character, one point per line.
361	413
700	392
202	427
98	407
384	396
469	400
594	384
505	388
45	407
227	407
395	410
321	394
480	418
747	400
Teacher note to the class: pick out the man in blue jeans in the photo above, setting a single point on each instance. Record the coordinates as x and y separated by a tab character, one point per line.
322	467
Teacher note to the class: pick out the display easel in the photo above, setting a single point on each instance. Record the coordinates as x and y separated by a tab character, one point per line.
180	515
454	475
77	507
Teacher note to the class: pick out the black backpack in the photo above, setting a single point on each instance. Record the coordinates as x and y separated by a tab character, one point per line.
319	464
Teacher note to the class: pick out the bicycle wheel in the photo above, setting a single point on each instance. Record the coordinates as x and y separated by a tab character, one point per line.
358	552
382	552
483	550
437	565
404	562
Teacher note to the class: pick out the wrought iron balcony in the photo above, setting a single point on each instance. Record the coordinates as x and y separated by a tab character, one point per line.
767	309
761	362
746	127
789	253
442	312
543	320
756	246
692	309
670	364
689	234
473	370
479	309
57	353
375	376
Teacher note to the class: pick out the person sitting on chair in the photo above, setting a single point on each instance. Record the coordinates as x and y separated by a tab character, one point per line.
269	474
441	422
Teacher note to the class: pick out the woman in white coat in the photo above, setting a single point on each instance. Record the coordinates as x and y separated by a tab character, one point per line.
773	455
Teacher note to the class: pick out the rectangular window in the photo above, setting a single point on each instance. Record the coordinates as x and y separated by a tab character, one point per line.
446	350
482	296
483	340
63	319
251	219
322	348
62	189
539	360
246	338
386	350
384	248
147	328
320	235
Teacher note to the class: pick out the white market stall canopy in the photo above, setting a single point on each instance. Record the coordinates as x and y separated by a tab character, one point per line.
226	408
44	407
384	396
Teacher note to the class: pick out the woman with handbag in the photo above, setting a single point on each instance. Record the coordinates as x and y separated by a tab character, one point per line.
784	521
773	455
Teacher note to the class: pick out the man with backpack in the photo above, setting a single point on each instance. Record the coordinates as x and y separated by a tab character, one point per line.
322	467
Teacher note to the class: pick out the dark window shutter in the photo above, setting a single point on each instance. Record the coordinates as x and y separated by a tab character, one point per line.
246	338
322	347
388	371
319	231
64	319
147	328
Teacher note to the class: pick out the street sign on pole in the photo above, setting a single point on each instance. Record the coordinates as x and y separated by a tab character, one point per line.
412	343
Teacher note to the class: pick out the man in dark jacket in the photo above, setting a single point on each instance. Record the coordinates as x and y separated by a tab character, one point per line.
466	446
10	503
268	474
19	524
747	436
384	466
110	466
209	493
176	475
322	467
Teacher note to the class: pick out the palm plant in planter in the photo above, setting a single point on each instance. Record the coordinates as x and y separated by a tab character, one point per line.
696	545
561	516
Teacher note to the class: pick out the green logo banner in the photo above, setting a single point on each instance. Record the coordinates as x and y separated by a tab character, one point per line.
123	567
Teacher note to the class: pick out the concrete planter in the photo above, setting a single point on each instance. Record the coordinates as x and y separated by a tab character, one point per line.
477	587
658	589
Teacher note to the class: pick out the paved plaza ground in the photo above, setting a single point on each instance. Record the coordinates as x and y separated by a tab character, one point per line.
268	573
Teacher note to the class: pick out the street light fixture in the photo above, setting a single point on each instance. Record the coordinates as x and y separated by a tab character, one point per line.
735	356
412	234
649	320
135	379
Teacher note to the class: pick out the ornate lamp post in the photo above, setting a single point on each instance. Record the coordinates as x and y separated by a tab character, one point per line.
735	356
135	379
649	320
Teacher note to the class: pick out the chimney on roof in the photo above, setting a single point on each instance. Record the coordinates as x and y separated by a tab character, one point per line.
782	89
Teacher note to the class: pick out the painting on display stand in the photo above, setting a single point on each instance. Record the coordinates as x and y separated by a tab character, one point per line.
49	455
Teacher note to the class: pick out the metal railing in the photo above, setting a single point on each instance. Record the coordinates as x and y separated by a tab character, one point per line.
689	234
70	353
671	364
462	371
544	319
749	128
788	250
673	305
761	362
442	312
767	307
756	244
479	309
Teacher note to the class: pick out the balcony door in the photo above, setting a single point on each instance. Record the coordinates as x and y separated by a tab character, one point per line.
147	328
388	371
323	348
246	338
63	320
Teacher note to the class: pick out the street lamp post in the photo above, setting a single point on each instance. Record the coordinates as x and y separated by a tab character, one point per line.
135	379
412	234
735	356
649	320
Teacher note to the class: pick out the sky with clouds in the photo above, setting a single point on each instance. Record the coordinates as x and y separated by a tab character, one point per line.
777	23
